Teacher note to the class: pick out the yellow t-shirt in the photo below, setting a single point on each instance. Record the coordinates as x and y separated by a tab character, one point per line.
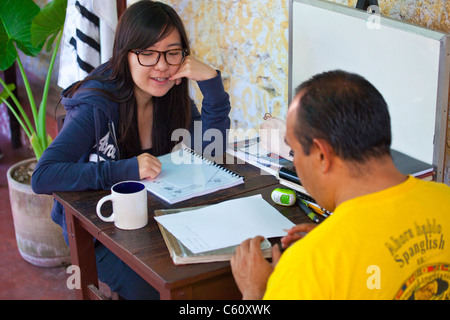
392	244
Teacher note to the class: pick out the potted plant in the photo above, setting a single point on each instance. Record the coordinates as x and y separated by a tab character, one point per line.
26	27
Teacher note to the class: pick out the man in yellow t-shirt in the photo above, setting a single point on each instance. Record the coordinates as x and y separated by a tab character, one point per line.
389	235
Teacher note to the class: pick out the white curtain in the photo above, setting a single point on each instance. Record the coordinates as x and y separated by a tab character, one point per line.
88	38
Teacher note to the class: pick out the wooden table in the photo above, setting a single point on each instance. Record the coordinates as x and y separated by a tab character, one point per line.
145	251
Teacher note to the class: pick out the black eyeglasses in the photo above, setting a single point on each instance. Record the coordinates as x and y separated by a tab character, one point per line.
149	58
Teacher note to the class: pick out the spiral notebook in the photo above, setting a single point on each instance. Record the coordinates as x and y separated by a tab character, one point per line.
185	175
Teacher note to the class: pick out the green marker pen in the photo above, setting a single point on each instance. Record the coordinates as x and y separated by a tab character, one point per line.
309	212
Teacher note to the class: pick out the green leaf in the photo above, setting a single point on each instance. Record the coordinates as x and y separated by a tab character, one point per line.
48	23
16	17
4	94
8	52
24	26
41	127
50	41
39	145
36	144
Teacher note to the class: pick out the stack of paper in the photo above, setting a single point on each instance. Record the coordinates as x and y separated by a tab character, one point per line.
182	255
226	224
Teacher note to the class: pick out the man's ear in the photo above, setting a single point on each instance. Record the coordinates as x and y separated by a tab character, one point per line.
324	154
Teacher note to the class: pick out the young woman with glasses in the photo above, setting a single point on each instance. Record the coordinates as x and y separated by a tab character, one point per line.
122	116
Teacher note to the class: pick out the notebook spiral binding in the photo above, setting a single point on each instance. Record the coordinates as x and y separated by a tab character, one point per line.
195	154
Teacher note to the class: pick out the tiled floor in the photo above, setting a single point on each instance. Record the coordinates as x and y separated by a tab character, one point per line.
20	280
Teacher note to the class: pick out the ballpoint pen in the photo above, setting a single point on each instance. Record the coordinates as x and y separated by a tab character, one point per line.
314	206
317	209
309	212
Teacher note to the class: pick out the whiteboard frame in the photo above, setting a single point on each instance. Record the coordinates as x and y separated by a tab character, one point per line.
442	103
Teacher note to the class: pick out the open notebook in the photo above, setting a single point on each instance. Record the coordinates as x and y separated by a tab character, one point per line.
185	175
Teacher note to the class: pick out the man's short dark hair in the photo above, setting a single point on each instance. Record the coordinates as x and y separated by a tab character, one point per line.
348	112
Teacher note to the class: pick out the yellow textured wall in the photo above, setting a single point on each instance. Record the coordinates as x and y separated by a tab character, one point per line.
248	41
434	14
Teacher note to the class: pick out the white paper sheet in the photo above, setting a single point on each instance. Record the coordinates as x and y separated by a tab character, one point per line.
226	224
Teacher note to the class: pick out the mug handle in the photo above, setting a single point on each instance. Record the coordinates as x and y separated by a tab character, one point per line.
99	206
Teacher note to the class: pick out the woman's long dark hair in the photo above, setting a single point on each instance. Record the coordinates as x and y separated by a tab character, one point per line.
142	25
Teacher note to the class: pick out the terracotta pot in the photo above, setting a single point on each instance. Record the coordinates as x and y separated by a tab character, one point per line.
39	239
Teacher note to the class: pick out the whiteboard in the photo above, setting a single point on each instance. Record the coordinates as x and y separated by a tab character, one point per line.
406	63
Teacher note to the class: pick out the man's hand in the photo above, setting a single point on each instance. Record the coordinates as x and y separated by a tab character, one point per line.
296	233
251	270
